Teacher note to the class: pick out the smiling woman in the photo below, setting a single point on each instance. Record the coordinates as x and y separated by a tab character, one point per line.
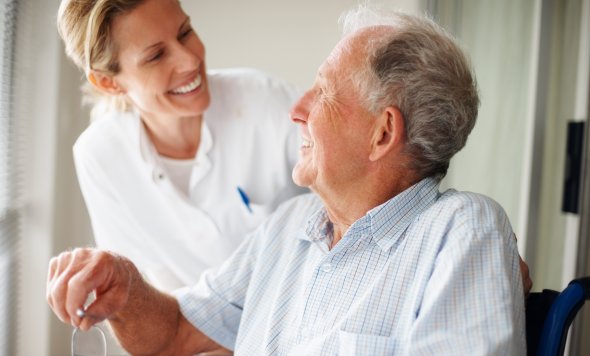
174	150
185	139
161	174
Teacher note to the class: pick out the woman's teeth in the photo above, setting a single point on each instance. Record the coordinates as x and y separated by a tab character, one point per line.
189	87
306	144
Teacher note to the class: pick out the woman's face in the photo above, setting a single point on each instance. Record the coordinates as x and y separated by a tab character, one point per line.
162	61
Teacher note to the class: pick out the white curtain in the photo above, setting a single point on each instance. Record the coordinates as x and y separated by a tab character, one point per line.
528	71
497	35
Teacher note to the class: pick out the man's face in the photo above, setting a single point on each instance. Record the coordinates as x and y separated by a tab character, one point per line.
335	128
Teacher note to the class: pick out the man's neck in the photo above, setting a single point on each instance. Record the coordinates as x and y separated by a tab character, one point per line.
351	205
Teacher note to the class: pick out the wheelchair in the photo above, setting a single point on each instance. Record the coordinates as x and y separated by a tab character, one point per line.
549	315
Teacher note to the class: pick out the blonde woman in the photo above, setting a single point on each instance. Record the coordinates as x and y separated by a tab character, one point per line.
179	163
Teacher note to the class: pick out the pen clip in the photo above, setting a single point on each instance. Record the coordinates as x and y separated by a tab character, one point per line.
245	199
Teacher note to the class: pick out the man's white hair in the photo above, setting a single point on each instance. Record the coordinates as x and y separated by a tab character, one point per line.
420	69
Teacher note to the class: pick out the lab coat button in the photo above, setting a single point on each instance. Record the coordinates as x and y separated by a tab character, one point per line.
327	267
158	175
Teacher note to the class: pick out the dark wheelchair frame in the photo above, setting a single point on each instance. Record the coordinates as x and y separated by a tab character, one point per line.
549	315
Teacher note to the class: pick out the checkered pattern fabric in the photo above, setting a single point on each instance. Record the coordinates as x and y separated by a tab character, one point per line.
423	273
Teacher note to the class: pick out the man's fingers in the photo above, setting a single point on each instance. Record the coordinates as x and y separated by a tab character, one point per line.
56	288
112	296
67	289
72	276
527	282
50	276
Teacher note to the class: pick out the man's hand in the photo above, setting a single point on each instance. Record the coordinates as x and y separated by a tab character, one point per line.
73	275
145	320
527	282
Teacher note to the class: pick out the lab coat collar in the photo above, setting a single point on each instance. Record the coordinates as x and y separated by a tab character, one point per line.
148	150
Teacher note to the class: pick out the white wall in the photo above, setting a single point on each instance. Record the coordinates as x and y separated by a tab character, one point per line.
289	39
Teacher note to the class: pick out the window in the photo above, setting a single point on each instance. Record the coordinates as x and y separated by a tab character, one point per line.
9	174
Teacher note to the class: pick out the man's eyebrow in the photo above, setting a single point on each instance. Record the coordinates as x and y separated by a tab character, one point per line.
157	44
320	76
323	80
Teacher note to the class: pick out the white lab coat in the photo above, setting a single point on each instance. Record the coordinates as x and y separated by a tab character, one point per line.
247	141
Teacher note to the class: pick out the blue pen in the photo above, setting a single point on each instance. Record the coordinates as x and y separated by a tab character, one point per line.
245	199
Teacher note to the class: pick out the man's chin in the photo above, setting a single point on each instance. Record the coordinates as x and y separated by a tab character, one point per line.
300	177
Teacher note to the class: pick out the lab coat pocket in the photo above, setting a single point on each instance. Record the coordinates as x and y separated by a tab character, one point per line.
256	212
252	214
251	217
364	344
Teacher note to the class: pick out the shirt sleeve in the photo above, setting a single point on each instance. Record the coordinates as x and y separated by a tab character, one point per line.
460	314
215	304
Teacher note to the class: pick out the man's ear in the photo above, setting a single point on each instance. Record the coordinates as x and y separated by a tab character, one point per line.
104	82
389	133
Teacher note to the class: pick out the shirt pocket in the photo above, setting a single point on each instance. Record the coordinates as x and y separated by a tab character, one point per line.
365	344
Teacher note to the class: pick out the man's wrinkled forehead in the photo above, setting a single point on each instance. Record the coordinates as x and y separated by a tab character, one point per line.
356	43
344	52
337	53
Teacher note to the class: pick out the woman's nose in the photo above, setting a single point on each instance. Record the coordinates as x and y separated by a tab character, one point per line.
185	59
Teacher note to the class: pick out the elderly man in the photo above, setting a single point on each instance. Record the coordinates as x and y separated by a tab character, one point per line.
377	261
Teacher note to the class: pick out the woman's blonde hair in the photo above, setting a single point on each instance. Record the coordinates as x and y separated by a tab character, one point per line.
85	27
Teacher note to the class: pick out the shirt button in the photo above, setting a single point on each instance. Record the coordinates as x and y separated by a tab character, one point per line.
158	175
326	267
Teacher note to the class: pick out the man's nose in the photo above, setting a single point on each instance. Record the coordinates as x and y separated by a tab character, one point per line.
300	111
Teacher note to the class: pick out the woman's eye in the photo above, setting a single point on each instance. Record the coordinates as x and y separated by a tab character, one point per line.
186	33
156	56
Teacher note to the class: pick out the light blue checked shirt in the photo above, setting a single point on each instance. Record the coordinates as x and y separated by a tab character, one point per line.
423	273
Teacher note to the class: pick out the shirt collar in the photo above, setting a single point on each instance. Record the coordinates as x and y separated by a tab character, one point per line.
387	222
319	227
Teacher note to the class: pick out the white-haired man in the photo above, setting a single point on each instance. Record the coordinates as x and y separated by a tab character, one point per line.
377	261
